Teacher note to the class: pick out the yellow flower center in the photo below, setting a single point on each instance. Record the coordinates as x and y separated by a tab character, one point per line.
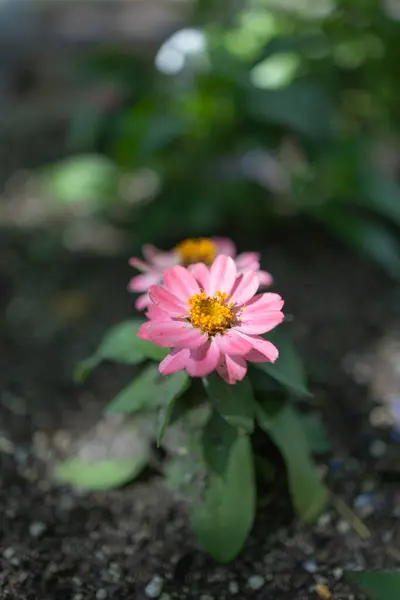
196	250
211	315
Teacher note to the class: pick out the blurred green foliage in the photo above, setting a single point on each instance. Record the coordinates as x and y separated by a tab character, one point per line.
254	117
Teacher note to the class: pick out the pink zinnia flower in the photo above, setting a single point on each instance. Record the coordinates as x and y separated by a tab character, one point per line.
211	319
188	252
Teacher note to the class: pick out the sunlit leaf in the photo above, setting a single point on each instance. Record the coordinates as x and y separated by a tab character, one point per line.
235	403
275	71
103	474
89	178
288	369
378	585
149	391
283	425
223	522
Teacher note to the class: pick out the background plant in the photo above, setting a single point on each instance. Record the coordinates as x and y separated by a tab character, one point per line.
254	119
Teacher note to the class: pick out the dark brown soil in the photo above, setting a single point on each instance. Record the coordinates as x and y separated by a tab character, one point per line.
56	544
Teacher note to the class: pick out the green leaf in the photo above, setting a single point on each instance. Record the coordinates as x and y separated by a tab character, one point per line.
366	236
379	193
218	439
149	391
288	369
235	403
87	178
165	419
121	345
185	474
223	522
308	494
378	585
315	432
299	106
101	475
84	129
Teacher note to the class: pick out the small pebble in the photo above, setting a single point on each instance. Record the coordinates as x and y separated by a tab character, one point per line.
352	464
324	520
335	465
368	486
255	582
387	536
101	594
165	596
8	553
362	500
310	566
343	526
233	587
378	448
78	597
37	528
337	573
154	588
364	504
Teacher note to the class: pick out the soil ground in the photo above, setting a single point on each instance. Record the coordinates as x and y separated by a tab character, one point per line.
59	545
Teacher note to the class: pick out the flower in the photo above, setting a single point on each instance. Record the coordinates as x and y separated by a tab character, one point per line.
188	252
211	319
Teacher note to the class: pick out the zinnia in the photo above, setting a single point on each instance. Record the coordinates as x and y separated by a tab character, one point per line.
188	252
211	319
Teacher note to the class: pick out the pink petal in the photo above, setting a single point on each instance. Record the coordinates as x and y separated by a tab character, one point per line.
150	252
166	301
158	258
245	287
256	357
138	264
261	322
143	331
224	246
180	282
203	361
263	347
261	314
263	302
222	275
166	260
247	261
232	343
174	361
231	368
154	313
142	301
169	334
201	274
141	283
265	278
